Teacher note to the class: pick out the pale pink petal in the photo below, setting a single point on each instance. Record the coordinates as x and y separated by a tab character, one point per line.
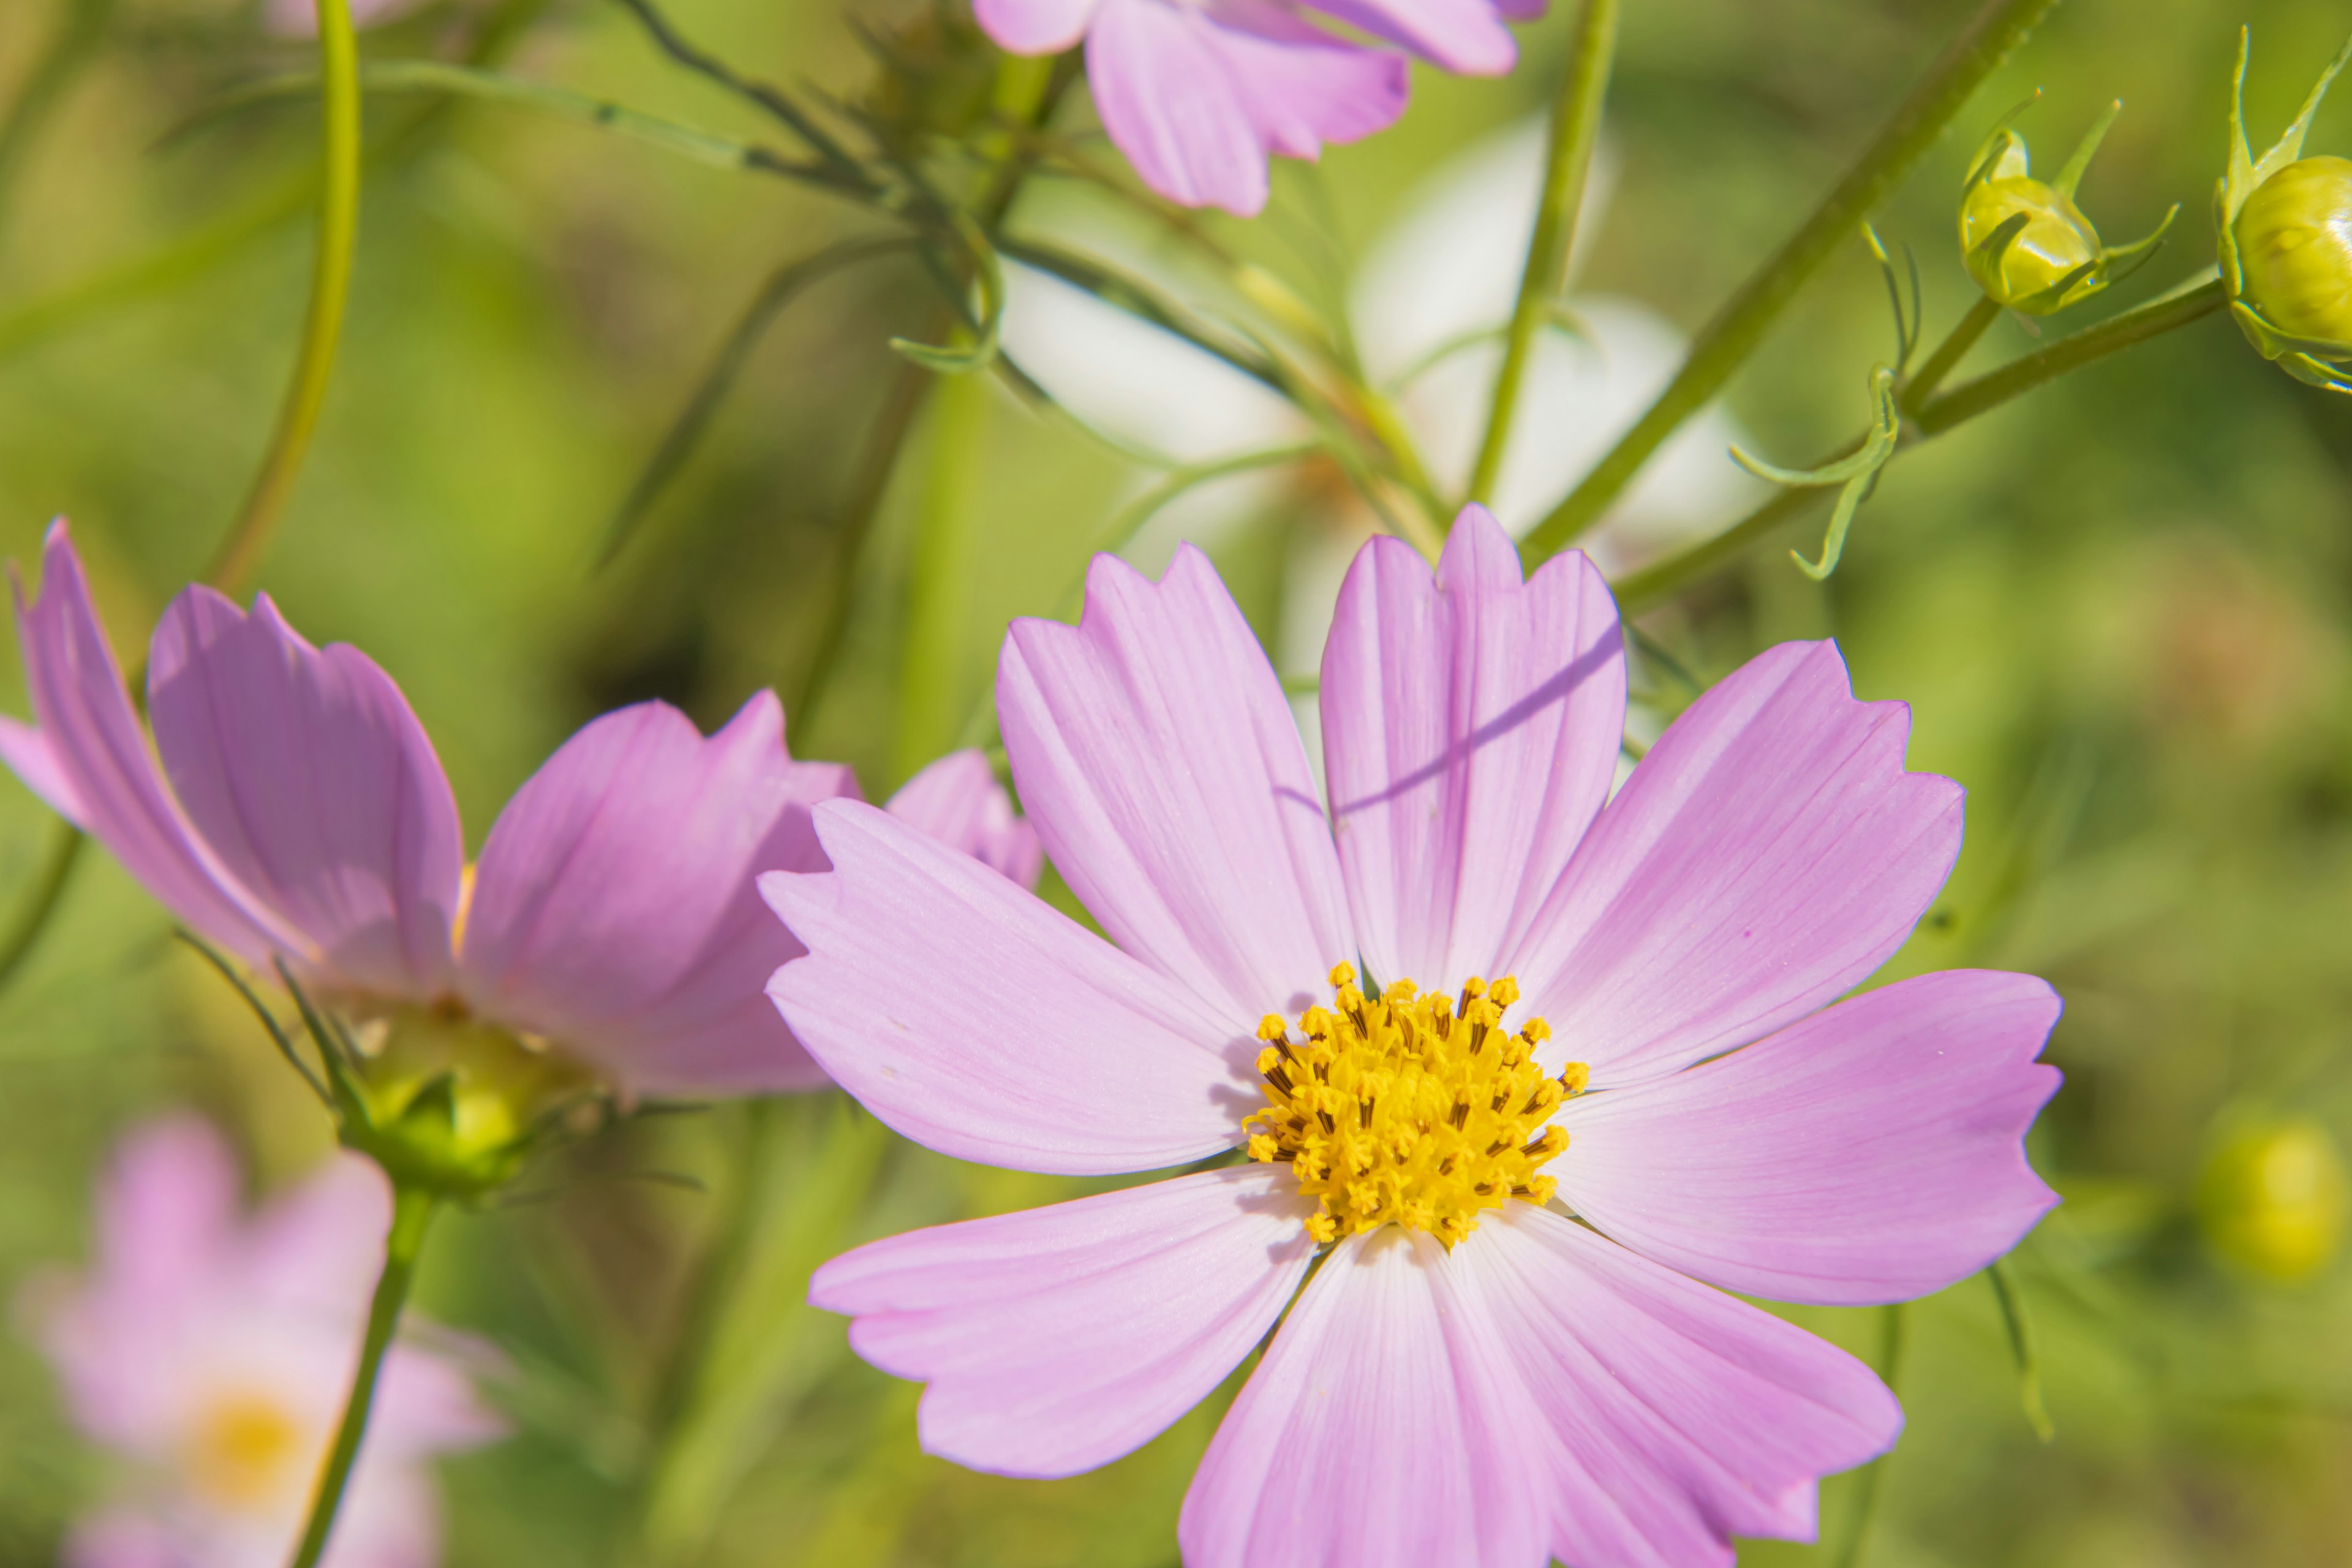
615	910
391	1518
958	801
1471	728
1156	756
1668	1416
29	755
1765	857
167	1218
1380	1431
1520	10
1198	96
1059	1339
319	1245
1033	26
980	1022
309	777
1872	1152
94	766
1465	36
122	1536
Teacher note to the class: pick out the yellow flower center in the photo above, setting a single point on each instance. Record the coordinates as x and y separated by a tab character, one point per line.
1411	1108
242	1450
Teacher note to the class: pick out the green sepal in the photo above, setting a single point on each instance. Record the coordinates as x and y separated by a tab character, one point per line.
2247	172
2070	176
2274	345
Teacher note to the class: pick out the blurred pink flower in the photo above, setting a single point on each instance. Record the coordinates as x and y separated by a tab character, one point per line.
1488	1381
211	1354
1198	93
300	18
306	817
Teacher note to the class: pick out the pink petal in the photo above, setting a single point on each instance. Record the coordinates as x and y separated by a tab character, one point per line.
980	1022
309	777
1669	1417
958	801
615	910
1874	1152
1380	1431
1766	855
93	765
1033	26
1470	731
1465	36
1060	1339
1197	96
1157	755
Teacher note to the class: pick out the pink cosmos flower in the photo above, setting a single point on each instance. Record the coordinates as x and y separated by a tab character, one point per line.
1198	93
301	813
211	1353
300	18
1630	1016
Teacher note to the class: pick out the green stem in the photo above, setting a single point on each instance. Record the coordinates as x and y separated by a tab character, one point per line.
2193	301
57	870
412	1213
1726	342
944	546
1948	354
1575	127
330	281
1892	1327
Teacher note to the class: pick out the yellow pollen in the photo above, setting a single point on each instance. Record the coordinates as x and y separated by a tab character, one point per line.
1409	1108
242	1449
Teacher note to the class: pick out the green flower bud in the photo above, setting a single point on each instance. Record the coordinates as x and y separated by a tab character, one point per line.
2274	1199
2295	250
2285	225
2027	244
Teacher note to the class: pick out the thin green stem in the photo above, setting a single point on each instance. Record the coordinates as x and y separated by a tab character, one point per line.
1892	1332
2194	300
2200	297
1948	354
412	1214
48	887
331	282
945	544
1727	342
1575	127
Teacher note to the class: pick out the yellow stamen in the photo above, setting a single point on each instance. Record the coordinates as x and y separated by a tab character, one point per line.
1410	1108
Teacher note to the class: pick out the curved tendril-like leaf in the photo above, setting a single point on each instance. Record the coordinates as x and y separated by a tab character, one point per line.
1859	474
1907	320
1885	426
2019	1325
1850	502
1558	314
2070	177
990	275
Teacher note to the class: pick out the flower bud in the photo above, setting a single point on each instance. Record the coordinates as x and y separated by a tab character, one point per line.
2274	1199
2285	234
2052	253
2295	250
2027	244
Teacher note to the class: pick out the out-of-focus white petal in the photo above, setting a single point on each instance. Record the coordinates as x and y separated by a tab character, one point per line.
1450	262
1581	394
1141	386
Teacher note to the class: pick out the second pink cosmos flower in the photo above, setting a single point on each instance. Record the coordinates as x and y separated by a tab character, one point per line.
300	813
1602	1069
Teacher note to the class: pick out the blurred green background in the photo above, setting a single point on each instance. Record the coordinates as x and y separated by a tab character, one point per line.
2121	611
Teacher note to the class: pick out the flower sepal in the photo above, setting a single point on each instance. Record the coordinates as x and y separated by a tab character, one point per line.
2027	244
446	1105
